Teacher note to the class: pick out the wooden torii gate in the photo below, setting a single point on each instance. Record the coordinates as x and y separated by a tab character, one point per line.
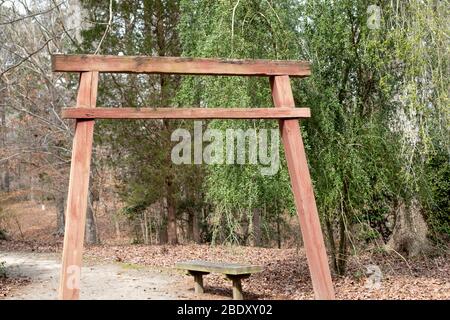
86	112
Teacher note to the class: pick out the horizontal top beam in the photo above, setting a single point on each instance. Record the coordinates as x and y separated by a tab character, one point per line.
177	65
185	113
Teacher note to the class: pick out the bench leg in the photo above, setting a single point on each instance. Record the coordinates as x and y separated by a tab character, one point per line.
237	286
198	281
237	289
198	284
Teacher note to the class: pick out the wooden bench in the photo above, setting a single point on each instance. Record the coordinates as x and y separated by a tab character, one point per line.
233	271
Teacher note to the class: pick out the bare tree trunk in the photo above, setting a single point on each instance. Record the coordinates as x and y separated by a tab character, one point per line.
163	234
342	251
5	178
410	233
332	244
278	231
117	228
114	217
196	228
245	230
150	224
90	234
256	224
145	230
342	254
171	221
60	213
31	194
190	227
204	227
91	228
193	232
5	175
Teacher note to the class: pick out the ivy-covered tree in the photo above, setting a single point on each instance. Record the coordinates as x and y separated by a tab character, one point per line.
366	77
239	29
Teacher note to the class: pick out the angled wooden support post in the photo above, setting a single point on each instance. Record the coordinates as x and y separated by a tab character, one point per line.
69	286
303	192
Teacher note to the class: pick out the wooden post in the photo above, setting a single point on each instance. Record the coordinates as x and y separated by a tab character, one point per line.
69	286
237	289
303	192
237	285
198	281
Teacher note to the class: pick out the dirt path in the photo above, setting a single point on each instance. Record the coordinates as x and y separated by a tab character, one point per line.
98	281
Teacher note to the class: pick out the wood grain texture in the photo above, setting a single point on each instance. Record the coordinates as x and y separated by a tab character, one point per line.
303	192
177	65
78	191
237	287
198	281
185	113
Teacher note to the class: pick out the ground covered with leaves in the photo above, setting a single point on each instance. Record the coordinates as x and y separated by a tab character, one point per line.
285	274
7	284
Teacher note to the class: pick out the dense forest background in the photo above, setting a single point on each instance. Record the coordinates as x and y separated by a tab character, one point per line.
377	143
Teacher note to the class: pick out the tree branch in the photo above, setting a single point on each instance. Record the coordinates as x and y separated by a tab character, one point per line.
32	15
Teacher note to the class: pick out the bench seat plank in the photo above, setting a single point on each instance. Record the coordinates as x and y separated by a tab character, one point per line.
219	267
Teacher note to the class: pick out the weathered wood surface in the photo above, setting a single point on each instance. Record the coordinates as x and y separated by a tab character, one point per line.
69	286
238	294
219	267
198	281
177	65
185	113
303	192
